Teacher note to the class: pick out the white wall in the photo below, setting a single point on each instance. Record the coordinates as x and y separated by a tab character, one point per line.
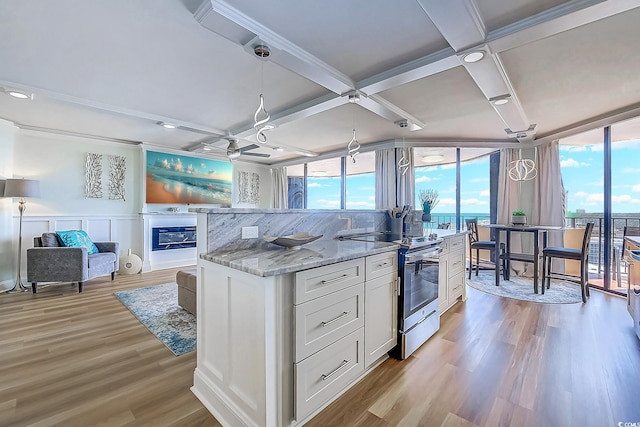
58	162
7	257
266	187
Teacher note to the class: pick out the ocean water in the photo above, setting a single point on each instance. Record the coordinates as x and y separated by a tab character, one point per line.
191	189
439	218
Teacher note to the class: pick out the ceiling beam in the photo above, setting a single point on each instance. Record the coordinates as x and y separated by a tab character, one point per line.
458	21
293	58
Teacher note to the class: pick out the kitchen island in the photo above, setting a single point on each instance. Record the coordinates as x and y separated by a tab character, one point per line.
281	332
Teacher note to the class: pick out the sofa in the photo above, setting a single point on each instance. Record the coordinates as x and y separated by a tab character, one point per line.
50	261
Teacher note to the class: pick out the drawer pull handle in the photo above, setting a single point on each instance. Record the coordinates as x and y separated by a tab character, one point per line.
326	376
383	264
337	279
344	313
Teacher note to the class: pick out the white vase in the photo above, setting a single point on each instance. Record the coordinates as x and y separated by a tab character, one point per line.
129	264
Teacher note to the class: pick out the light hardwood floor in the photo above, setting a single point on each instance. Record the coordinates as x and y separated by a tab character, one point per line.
69	359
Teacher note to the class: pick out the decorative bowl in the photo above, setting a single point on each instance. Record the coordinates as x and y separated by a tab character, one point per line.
293	241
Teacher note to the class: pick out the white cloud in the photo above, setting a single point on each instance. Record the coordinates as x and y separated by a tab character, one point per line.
636	188
573	148
595	198
479	180
447	202
314	185
372	198
423	179
569	163
473	201
359	204
630	170
485	193
625	198
581	194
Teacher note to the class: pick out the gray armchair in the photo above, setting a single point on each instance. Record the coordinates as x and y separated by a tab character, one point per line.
48	261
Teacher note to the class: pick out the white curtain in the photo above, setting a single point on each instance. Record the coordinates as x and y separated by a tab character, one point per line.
508	190
508	201
280	188
392	188
549	204
405	184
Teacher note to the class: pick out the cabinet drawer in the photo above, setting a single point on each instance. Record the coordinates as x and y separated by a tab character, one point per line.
325	320
317	282
381	264
457	243
456	285
324	374
456	263
445	247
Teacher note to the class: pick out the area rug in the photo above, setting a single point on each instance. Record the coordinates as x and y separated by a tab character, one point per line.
156	307
522	288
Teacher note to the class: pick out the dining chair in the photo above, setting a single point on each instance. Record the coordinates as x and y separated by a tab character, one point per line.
627	231
476	244
581	254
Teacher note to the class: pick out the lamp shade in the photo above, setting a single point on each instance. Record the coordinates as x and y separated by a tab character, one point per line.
22	188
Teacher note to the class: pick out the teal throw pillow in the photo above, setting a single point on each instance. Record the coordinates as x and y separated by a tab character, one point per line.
77	239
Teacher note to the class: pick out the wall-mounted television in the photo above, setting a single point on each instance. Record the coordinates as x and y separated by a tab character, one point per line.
174	178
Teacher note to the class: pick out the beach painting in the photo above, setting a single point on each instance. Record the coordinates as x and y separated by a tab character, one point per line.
174	178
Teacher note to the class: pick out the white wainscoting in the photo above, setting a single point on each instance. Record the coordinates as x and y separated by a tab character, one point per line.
130	231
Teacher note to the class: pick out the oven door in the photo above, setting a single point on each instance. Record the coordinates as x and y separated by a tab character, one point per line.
419	283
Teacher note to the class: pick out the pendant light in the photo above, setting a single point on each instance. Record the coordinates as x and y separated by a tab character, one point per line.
261	117
523	169
353	147
403	163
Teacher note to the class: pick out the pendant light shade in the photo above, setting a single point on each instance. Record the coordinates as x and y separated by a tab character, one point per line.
522	170
353	147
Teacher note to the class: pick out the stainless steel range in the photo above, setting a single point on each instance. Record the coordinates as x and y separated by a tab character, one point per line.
419	271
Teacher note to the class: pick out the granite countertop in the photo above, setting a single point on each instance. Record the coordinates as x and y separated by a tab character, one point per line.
272	260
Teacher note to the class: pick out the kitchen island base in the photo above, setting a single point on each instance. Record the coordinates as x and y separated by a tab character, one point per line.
252	370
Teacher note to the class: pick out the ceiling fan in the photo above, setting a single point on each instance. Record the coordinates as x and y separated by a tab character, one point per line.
234	151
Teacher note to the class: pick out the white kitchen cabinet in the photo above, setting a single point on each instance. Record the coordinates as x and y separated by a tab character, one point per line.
381	316
275	350
451	279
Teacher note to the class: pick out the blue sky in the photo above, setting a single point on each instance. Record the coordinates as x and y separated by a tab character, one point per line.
583	177
582	171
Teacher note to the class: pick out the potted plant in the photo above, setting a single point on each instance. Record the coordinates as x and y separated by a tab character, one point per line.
518	217
429	199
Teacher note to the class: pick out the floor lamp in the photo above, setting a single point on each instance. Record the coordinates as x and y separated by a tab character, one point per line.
21	188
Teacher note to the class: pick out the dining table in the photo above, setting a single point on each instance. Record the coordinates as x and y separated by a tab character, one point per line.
508	256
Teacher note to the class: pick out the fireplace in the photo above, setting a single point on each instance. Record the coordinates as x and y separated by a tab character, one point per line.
169	238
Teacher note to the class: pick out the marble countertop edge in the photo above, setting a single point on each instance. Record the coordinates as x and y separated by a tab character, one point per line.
270	262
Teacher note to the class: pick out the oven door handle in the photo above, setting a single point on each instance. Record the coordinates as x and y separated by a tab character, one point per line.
420	256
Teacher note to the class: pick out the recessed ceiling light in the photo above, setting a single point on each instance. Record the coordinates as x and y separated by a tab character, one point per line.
433	158
167	125
474	56
500	100
19	95
206	148
278	149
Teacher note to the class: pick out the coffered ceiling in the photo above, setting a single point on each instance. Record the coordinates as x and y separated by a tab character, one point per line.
114	70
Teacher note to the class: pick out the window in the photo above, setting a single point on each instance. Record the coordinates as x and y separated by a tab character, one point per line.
295	182
324	184
361	182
